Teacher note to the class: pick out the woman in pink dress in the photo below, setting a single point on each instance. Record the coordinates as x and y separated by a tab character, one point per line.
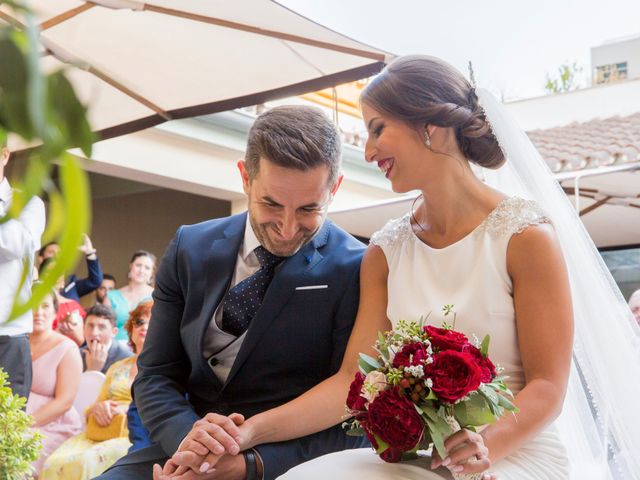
57	367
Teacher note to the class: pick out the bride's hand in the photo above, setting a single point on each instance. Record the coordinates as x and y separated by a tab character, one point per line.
466	453
210	438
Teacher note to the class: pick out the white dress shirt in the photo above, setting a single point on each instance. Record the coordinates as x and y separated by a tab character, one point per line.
218	343
19	240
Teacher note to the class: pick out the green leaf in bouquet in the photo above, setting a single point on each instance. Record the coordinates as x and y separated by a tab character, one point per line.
438	435
474	411
431	395
507	404
437	419
498	384
382	445
493	399
412	455
383	348
355	432
489	393
367	363
484	346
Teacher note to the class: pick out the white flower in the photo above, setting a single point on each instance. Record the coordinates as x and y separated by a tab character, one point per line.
374	383
392	353
427	344
415	370
429	383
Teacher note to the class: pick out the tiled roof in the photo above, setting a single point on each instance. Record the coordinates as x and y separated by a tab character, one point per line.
610	141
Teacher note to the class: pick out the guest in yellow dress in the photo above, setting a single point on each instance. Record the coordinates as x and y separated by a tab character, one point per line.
80	458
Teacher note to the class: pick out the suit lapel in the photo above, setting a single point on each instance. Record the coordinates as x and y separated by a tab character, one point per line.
218	271
281	288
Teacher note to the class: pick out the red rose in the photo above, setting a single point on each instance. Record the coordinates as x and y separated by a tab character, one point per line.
414	353
442	339
394	419
454	374
391	455
486	365
355	401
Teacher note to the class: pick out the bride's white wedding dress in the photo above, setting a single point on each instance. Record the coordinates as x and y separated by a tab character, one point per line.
472	275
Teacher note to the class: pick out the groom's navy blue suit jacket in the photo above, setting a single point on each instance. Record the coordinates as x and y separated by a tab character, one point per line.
296	339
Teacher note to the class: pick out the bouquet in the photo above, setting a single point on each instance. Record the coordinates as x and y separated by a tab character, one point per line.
425	384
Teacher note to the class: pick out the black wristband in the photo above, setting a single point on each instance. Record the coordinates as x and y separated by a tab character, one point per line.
250	463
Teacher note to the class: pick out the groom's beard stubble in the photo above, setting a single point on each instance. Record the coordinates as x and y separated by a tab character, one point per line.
264	232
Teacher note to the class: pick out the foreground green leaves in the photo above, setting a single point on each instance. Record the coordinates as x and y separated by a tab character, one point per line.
43	110
19	445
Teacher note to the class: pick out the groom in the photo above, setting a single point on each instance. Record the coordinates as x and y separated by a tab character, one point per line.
254	309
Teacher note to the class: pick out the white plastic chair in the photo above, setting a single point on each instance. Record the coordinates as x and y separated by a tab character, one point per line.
90	384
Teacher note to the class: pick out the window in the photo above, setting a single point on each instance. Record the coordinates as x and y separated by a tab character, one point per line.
611	72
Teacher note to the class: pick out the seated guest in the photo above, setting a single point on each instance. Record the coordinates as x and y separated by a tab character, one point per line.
56	376
48	250
75	288
108	284
81	458
140	277
101	349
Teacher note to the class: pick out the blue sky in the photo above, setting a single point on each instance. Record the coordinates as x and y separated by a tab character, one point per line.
512	43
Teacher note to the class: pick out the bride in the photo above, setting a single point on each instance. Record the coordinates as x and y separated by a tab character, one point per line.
494	235
496	258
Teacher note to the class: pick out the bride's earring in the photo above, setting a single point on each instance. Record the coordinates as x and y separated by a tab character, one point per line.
427	139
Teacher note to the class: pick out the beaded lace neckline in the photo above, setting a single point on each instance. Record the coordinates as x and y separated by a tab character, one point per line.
480	227
512	215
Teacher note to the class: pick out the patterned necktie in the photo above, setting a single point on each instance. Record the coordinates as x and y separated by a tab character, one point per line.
243	300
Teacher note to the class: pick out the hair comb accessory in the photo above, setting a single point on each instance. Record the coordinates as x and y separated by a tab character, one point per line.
472	77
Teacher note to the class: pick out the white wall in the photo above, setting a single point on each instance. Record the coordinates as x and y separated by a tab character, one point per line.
618	52
601	101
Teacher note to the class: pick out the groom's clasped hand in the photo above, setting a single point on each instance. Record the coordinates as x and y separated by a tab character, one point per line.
212	445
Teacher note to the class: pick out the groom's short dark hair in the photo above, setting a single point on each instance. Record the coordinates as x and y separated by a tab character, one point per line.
294	136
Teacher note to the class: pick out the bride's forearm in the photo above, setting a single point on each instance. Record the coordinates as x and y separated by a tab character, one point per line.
318	409
540	402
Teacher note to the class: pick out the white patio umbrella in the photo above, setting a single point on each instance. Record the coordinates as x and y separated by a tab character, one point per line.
138	64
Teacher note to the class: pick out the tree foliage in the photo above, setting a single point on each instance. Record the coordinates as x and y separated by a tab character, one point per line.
567	79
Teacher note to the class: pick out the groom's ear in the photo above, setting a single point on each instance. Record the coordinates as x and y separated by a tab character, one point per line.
244	175
337	184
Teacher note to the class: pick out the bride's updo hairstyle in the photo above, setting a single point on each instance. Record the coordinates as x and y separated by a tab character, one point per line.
421	90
